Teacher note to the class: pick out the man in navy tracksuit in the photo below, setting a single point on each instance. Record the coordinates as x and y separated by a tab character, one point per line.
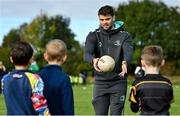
110	39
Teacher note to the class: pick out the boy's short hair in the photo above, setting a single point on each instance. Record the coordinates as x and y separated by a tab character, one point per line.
21	52
56	49
106	10
152	55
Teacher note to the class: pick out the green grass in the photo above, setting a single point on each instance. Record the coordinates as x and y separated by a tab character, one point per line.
83	106
2	106
83	99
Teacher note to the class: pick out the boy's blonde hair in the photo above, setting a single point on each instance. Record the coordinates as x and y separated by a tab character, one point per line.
56	49
152	55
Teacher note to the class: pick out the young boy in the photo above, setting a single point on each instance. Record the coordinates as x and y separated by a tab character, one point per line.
153	93
58	89
23	90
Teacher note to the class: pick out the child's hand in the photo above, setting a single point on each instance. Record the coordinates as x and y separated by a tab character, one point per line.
47	113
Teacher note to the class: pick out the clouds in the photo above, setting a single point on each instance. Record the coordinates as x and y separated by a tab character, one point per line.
83	13
75	9
70	8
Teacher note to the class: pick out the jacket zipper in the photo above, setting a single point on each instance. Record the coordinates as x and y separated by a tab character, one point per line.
108	44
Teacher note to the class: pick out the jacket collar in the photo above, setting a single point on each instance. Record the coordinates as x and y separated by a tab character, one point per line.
116	27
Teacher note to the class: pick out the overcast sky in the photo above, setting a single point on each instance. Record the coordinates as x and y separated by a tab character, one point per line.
83	13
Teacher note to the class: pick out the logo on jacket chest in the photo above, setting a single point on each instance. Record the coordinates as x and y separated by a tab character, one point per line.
117	43
100	44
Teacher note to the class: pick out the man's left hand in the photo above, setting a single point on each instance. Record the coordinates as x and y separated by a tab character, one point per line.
124	69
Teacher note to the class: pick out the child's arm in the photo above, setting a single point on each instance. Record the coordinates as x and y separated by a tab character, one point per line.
171	95
134	105
38	100
67	97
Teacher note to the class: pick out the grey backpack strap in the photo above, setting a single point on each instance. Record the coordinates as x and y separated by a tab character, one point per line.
99	42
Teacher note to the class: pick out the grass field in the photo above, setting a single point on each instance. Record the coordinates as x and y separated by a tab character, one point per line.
83	104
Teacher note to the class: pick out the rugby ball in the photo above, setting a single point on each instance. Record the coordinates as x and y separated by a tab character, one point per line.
106	63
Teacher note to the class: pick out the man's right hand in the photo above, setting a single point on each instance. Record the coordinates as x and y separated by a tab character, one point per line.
95	61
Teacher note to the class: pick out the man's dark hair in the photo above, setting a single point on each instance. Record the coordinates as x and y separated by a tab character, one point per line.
21	52
106	10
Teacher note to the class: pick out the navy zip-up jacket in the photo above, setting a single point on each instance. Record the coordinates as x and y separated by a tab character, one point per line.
115	43
57	90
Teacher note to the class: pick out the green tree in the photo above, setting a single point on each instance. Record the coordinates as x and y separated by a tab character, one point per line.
10	38
44	28
4	51
152	22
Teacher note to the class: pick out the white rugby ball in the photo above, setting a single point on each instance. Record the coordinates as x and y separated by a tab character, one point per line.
106	63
